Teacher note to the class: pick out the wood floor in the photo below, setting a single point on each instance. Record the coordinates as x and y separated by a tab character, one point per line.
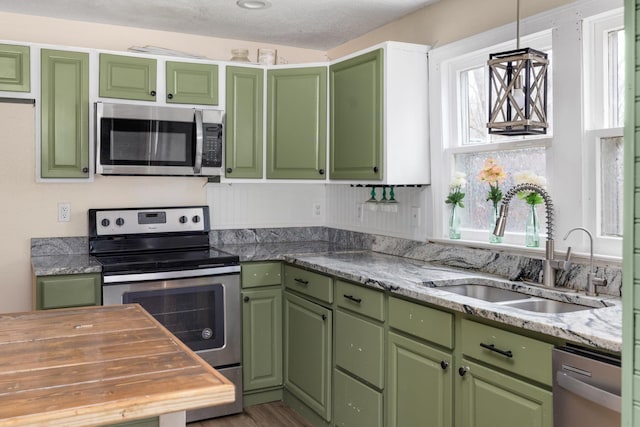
274	414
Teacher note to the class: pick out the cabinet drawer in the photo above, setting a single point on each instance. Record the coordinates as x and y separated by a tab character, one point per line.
68	291
420	321
515	353
261	274
367	302
306	282
360	347
356	405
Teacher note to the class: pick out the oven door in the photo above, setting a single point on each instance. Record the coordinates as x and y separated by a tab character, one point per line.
203	312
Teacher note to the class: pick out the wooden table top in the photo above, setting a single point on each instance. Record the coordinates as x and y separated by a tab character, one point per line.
92	366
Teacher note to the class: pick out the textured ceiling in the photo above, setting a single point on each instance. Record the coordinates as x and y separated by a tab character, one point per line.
320	24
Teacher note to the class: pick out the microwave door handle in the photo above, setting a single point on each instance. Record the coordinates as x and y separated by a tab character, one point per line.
197	166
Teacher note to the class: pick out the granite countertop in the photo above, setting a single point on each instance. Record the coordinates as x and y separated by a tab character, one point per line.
423	281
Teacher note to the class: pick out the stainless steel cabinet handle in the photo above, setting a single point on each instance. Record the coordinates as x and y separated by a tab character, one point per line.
587	391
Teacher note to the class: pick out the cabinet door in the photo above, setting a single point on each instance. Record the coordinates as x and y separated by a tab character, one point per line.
262	338
297	123
307	353
493	399
15	68
127	77
356	117
189	83
356	405
420	384
73	290
244	122
64	114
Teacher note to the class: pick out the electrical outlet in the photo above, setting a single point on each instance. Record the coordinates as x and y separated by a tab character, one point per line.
317	209
415	216
64	212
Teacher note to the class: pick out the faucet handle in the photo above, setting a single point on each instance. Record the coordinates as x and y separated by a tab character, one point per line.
566	265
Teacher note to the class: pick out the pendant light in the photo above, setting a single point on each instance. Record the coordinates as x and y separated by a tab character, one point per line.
518	90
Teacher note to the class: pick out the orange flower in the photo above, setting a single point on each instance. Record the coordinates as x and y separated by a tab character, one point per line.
492	173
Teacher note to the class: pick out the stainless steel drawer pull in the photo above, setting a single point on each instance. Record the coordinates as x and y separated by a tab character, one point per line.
506	353
352	298
301	281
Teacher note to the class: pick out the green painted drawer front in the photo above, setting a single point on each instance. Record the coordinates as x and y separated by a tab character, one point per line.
71	290
127	77
244	130
490	398
306	282
262	338
419	390
261	274
147	422
356	117
15	68
297	123
360	348
307	353
64	114
530	358
423	322
189	83
355	404
358	299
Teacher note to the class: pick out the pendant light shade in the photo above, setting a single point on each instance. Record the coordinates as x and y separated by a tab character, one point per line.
518	90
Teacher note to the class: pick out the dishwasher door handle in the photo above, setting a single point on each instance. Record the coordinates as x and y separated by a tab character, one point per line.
589	392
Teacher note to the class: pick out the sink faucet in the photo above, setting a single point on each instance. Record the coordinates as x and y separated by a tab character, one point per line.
592	281
550	265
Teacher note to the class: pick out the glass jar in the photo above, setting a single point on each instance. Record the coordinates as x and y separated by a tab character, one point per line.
240	55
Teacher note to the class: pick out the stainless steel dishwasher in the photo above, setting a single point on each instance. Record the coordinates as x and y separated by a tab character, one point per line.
586	388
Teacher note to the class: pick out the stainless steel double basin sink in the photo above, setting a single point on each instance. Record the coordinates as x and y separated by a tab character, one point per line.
515	299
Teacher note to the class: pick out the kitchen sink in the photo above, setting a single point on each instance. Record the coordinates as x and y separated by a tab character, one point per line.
485	293
547	306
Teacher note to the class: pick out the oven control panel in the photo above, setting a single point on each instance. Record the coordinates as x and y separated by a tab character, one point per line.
110	222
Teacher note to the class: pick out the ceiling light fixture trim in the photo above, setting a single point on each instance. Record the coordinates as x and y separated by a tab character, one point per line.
254	4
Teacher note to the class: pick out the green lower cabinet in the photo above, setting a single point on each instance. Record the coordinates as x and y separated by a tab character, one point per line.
64	114
262	338
73	290
420	384
147	422
492	399
189	83
307	353
355	404
15	69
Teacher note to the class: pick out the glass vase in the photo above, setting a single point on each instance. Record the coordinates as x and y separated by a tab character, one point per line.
494	217
532	230
454	223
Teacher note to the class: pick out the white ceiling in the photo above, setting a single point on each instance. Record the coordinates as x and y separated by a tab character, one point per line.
319	24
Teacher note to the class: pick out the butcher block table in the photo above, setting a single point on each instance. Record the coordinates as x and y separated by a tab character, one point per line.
98	366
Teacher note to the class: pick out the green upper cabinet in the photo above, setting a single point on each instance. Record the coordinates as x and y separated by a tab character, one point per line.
127	77
189	83
244	122
15	70
378	111
356	117
64	114
296	123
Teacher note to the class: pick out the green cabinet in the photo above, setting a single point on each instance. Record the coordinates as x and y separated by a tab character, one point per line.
491	398
15	68
307	353
262	338
147	422
191	83
64	114
127	77
356	404
244	122
73	290
296	123
420	384
356	116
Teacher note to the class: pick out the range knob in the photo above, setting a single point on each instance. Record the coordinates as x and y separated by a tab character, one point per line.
105	222
196	219
120	222
183	219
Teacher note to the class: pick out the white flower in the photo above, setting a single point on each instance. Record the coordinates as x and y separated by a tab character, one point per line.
458	181
530	178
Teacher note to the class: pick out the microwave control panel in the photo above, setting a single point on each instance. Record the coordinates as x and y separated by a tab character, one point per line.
212	145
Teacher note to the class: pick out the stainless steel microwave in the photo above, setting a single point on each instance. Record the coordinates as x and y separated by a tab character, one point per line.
150	140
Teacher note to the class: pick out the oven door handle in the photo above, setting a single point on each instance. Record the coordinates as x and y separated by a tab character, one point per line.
167	275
